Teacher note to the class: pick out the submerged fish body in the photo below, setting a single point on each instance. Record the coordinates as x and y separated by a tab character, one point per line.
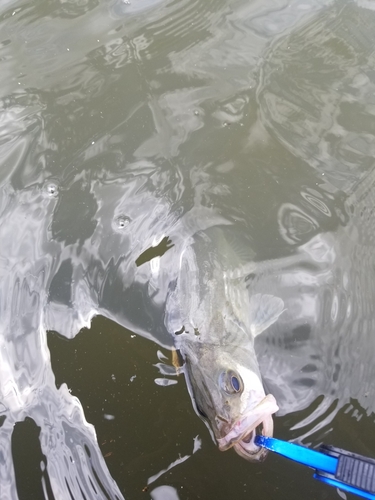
216	319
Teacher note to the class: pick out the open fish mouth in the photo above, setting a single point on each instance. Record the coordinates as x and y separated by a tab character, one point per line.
247	448
241	436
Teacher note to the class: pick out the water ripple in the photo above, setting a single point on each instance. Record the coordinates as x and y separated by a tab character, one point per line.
325	122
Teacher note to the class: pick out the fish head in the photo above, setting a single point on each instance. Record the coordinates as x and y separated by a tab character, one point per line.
227	390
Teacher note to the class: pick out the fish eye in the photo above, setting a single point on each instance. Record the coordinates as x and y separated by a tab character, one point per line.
235	383
230	382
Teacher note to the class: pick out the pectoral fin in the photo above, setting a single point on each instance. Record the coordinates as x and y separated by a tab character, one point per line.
264	311
177	361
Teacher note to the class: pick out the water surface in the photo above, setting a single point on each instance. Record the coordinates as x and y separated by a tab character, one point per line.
129	125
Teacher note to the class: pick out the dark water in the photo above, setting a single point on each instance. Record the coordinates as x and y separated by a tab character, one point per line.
125	124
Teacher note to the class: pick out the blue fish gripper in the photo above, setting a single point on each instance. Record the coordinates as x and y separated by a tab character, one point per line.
340	468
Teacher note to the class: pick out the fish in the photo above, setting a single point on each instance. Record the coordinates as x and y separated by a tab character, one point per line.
208	295
215	319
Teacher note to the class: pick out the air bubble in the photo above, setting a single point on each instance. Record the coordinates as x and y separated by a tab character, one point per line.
52	189
108	416
122	221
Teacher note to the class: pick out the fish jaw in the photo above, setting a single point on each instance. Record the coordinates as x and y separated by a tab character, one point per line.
242	434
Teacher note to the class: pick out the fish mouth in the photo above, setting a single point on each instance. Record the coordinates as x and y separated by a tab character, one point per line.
247	448
241	436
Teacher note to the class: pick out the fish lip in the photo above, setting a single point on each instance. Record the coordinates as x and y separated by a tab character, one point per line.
248	449
237	437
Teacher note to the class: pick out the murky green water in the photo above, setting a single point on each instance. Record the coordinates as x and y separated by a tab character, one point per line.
120	124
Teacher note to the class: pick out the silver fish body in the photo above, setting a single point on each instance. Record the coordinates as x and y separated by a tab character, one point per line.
215	319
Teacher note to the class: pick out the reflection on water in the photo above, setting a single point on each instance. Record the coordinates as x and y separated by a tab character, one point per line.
164	493
317	92
126	130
